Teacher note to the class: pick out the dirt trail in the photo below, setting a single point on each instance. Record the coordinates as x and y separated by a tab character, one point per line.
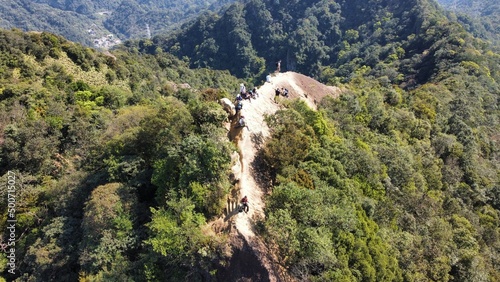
252	138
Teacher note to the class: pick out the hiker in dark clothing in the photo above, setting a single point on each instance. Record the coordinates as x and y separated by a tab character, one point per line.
277	94
244	204
247	96
254	93
239	106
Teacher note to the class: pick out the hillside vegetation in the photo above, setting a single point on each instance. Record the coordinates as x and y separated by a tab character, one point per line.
480	17
328	40
398	179
87	21
114	156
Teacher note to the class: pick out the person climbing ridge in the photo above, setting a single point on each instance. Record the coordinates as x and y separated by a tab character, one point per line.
239	106
244	205
278	66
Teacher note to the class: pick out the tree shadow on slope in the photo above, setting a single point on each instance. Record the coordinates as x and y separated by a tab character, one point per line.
244	265
263	173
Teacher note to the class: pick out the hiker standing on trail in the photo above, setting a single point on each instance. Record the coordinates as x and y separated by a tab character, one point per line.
278	66
277	93
238	98
244	204
239	106
254	93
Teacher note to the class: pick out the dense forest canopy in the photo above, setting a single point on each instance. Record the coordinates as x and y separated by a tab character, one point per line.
480	17
94	142
398	179
327	39
90	20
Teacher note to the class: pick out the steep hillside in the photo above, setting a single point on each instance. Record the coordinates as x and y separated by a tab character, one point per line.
122	165
92	22
480	17
84	142
397	180
405	41
384	184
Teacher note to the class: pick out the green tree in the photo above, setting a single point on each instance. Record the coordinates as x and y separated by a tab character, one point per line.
107	229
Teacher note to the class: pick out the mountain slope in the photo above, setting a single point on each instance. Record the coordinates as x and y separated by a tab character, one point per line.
396	179
248	38
90	22
83	136
387	184
329	40
480	17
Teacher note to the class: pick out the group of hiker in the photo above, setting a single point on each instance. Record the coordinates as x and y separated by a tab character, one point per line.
248	95
244	95
280	92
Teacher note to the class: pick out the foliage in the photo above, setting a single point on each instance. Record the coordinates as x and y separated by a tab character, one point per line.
121	159
88	21
327	40
396	182
107	228
85	134
178	235
477	16
324	232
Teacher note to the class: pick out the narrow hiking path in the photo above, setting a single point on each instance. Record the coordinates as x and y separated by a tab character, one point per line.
250	141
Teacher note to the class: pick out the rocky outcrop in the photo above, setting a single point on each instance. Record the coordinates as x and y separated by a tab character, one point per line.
235	167
228	106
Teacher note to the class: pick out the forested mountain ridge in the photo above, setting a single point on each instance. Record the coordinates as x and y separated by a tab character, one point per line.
480	17
322	38
90	22
396	180
472	7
